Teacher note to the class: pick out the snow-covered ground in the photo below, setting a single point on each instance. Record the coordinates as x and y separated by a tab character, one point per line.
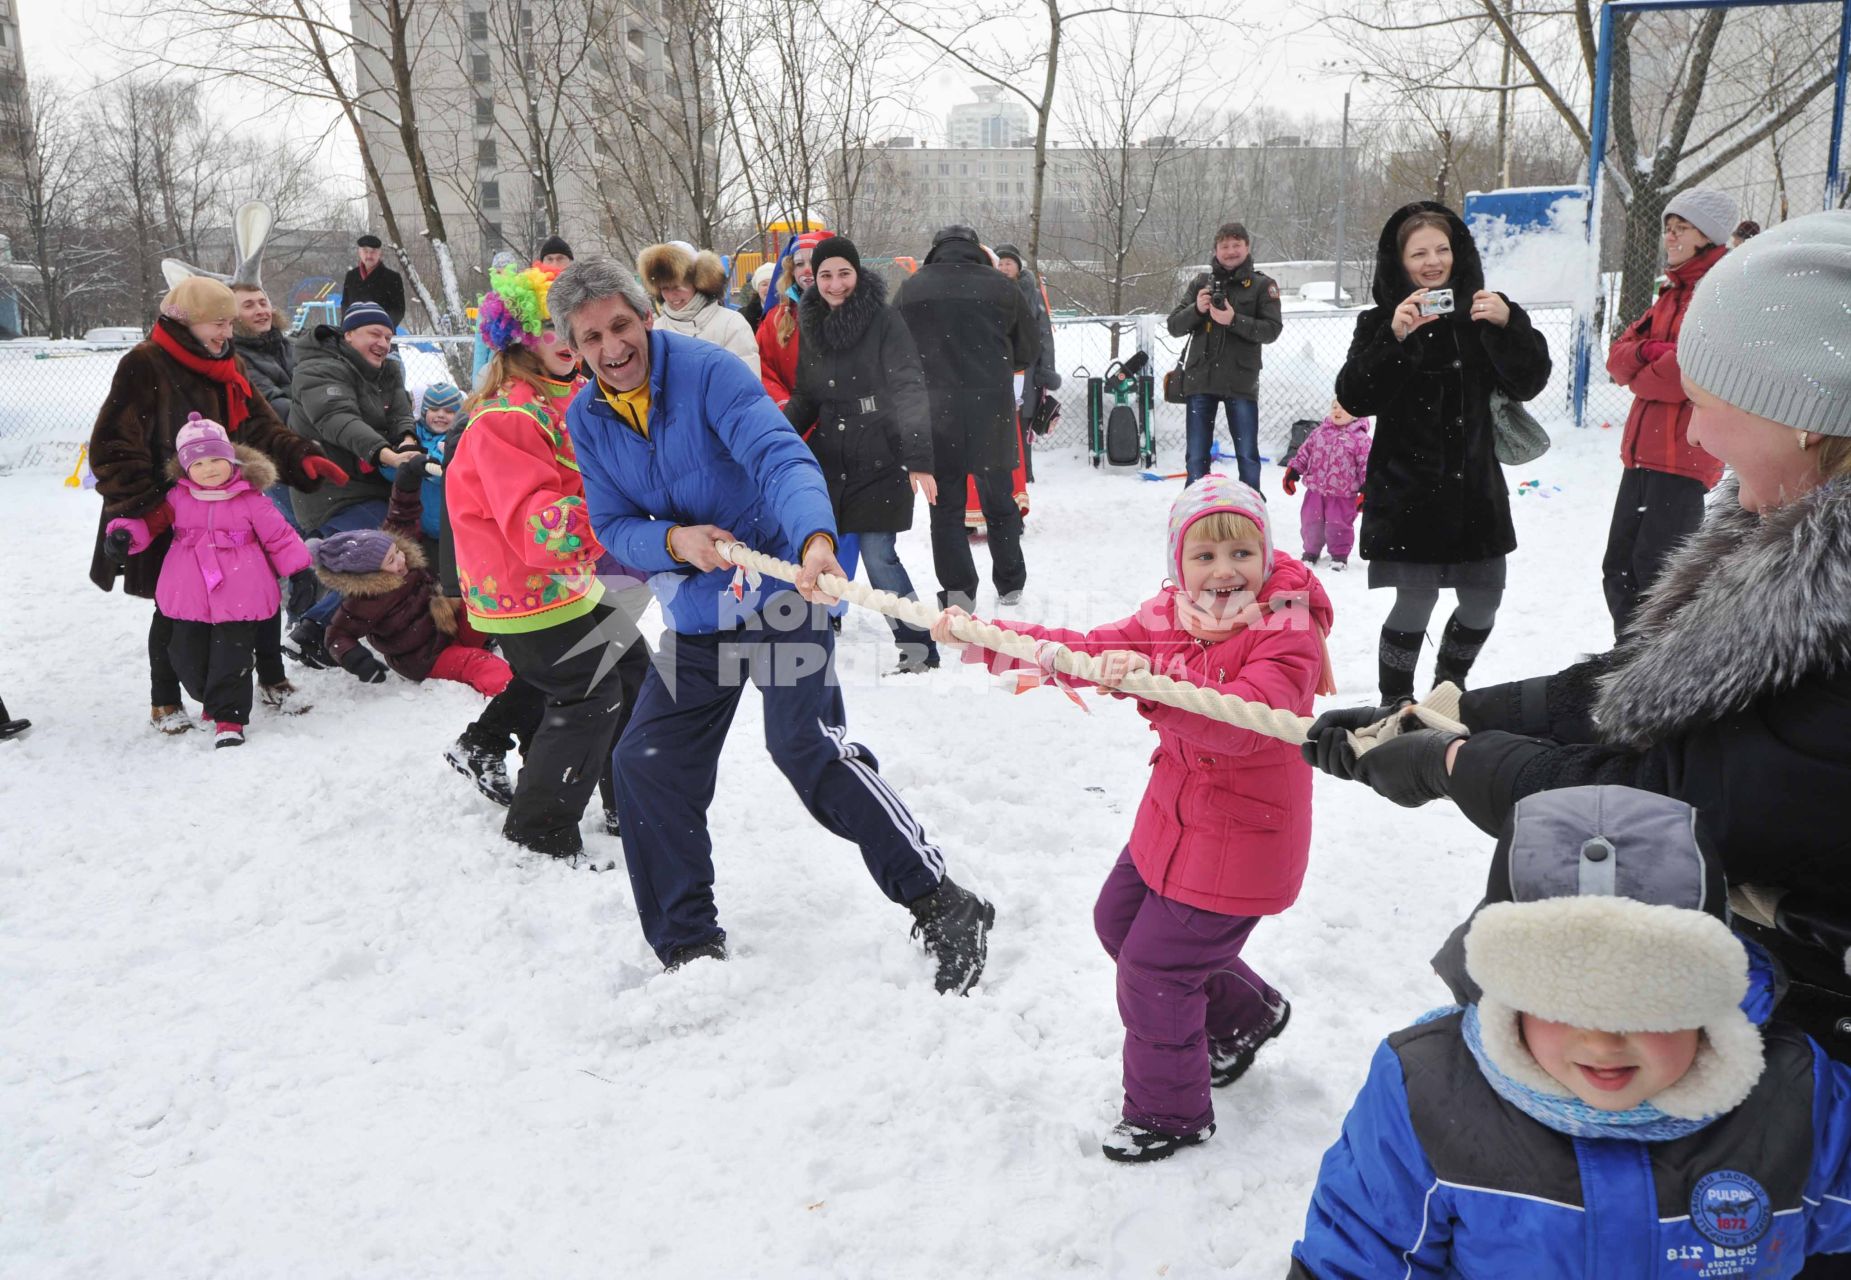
295	1010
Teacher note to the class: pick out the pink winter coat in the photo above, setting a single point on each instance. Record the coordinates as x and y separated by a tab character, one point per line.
227	553
1225	824
1334	460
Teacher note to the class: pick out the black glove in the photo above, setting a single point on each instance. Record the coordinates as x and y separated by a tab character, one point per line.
364	666
1409	769
116	547
410	472
1327	742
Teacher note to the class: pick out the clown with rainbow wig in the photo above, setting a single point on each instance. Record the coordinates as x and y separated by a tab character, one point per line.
528	562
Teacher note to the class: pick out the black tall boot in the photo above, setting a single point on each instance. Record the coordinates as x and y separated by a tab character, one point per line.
1396	658
10	728
1459	646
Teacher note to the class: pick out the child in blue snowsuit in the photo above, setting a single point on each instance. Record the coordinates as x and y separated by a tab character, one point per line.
1605	1104
438	411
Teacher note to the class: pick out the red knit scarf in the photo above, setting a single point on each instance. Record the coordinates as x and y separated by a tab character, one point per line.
223	370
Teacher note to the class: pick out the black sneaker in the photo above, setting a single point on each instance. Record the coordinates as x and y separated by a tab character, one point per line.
1229	1059
954	923
715	950
487	769
307	637
1134	1144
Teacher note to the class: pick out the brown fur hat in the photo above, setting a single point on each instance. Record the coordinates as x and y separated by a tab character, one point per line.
663	266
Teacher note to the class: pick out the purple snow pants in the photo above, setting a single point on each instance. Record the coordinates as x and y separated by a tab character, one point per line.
1181	982
1327	521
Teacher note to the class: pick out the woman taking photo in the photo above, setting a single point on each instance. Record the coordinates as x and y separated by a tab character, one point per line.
1732	690
860	403
1424	363
1660	501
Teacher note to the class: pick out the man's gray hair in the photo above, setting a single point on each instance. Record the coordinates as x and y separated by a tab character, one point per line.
593	280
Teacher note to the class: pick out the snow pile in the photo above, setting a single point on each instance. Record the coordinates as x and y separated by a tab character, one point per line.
296	1010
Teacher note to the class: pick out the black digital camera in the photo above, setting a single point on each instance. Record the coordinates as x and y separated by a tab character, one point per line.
1217	295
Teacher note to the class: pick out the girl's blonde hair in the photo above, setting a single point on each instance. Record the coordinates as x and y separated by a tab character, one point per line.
1224	526
516	364
787	318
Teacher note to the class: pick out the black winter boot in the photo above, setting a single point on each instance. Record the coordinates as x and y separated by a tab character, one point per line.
1396	657
487	769
10	728
1229	1059
954	924
307	637
715	950
1134	1144
1459	646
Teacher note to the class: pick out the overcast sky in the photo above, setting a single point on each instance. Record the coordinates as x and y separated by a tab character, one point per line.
1275	54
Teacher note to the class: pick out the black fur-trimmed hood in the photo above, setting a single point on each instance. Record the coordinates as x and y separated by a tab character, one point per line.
1749	607
837	329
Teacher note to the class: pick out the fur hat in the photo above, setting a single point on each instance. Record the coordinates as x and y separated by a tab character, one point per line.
1765	328
202	438
360	314
356	551
1710	211
1205	497
1607	910
199	300
673	265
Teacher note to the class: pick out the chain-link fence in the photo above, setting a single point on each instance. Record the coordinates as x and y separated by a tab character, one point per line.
50	392
1298	381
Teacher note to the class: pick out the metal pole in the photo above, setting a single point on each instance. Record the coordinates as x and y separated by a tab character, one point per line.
1343	172
1597	149
1834	183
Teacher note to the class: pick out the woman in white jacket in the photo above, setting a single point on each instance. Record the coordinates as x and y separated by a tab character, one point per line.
689	290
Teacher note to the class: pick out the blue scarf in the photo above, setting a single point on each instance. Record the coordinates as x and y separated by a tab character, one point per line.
1570	1115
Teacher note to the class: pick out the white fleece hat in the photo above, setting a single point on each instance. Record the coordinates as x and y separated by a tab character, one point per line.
1710	211
1606	911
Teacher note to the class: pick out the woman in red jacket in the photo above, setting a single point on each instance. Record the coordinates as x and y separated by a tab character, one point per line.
777	332
1660	502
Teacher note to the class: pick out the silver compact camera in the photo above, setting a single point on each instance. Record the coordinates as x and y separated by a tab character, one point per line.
1438	302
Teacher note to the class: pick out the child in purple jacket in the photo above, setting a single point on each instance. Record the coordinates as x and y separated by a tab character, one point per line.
218	581
1333	461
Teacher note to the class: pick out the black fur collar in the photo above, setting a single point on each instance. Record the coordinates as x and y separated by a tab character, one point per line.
837	329
1750	606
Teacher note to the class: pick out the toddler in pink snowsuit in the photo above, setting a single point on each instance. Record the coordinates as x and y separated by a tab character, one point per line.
219	578
1223	834
1333	462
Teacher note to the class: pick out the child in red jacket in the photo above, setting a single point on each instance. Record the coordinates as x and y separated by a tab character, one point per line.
1224	830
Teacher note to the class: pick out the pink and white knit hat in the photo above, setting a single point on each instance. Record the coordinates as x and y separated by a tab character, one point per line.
1207	496
202	438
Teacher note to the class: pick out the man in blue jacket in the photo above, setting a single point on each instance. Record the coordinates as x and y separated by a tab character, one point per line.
681	450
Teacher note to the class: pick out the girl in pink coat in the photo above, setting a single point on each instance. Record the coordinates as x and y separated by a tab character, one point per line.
1333	462
1223	833
218	581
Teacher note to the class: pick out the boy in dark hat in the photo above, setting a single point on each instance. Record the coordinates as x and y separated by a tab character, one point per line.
371	280
1605	1103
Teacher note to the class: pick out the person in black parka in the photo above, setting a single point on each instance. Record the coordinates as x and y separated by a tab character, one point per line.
860	404
1436	509
371	280
973	330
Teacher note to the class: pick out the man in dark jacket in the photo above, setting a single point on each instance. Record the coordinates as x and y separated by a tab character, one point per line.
371	280
1041	375
351	398
1228	313
973	329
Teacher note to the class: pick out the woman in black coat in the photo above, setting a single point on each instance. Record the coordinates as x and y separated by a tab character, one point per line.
1436	509
860	403
1732	688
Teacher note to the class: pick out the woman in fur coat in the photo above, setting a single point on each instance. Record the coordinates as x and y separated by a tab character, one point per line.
860	404
1732	689
690	296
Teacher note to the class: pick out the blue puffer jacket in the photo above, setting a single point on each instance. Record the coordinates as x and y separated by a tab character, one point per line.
1436	1175
433	443
718	452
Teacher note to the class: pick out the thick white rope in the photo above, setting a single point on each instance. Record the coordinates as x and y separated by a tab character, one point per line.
1439	710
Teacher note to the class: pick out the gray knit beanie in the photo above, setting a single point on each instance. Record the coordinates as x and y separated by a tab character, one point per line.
1710	211
1769	328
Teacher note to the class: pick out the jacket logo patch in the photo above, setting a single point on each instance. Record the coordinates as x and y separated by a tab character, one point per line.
1730	1209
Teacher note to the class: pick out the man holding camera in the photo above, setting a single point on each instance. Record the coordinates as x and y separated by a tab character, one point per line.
1228	313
